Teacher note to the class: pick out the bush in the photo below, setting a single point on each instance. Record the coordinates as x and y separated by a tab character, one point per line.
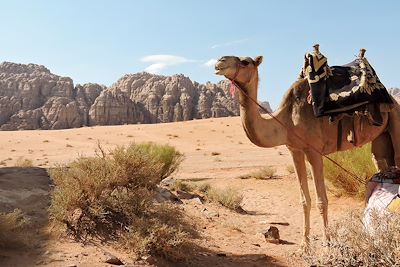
351	245
357	161
111	197
13	227
167	155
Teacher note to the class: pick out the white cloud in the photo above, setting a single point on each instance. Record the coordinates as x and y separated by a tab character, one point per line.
230	43
210	63
160	62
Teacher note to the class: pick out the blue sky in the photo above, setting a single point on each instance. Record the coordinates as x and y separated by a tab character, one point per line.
99	41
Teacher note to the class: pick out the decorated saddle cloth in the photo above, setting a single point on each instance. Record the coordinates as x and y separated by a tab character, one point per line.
339	89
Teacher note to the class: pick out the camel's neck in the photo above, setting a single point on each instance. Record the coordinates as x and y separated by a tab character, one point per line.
263	132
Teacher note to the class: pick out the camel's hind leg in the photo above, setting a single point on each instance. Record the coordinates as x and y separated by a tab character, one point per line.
382	152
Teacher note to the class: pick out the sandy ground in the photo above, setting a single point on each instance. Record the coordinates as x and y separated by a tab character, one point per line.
216	151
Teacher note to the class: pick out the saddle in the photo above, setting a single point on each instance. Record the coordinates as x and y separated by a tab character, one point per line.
339	89
340	92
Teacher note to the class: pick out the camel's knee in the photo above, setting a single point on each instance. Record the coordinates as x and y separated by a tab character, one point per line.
306	203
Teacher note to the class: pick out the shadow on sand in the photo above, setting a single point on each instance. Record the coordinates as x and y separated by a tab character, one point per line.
26	189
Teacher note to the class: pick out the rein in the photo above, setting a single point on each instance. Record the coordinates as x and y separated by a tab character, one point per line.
235	85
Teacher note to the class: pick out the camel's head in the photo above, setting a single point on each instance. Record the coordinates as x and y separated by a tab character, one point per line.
239	69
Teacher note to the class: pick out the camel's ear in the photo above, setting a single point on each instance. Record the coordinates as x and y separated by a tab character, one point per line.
258	60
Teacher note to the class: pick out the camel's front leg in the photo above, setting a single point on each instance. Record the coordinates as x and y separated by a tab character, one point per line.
322	200
300	167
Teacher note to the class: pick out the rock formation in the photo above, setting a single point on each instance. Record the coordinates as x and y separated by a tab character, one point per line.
394	91
31	97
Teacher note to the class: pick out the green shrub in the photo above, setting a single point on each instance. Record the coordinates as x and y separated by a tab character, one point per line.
110	196
357	161
167	155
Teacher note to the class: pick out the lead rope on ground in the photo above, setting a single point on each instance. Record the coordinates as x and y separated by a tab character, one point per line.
358	179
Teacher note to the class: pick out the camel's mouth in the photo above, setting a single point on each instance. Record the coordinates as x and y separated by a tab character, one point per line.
219	70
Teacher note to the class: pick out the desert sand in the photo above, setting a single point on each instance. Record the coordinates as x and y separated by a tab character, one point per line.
217	151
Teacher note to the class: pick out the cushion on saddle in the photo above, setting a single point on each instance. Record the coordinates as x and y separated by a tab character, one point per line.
341	89
382	196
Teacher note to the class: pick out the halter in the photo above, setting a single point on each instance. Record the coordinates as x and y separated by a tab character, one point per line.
233	86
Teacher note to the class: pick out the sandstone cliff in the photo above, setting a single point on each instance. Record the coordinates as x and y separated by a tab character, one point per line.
395	91
31	97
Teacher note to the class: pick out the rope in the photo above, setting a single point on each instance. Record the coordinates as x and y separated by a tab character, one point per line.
358	179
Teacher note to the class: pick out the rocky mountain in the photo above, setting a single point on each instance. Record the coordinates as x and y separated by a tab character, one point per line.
394	91
31	97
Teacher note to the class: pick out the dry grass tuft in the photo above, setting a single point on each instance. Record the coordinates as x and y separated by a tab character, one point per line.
290	169
182	185
351	245
357	161
110	197
13	227
203	187
227	197
23	163
262	174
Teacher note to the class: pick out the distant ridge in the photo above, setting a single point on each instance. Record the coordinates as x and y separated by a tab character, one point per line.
394	91
31	97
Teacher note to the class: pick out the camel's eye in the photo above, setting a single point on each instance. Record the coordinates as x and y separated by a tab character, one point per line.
244	62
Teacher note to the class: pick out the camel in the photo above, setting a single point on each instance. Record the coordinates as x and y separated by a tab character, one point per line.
301	128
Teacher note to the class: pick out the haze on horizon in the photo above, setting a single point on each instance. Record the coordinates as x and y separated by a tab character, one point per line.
99	41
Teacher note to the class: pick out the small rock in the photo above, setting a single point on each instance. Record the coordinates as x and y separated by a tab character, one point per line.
72	265
211	214
272	235
167	181
149	259
164	195
195	200
184	195
257	245
221	254
111	259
